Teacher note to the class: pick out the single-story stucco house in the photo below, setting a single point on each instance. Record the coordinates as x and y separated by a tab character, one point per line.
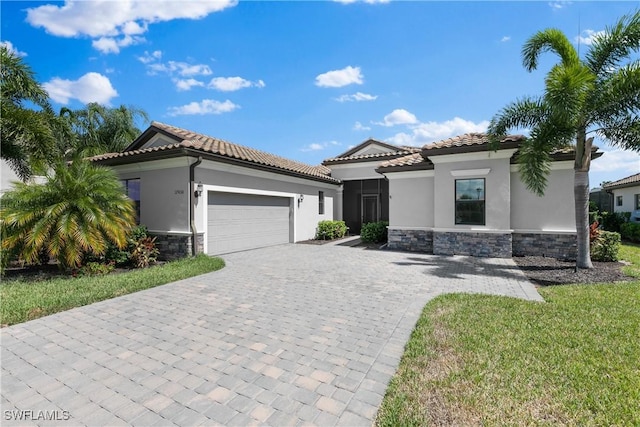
626	195
455	196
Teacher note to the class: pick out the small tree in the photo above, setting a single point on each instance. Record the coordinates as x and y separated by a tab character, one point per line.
77	210
598	95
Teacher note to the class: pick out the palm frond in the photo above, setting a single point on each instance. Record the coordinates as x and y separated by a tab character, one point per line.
549	40
614	44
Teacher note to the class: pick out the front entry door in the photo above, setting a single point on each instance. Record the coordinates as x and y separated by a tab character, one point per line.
370	208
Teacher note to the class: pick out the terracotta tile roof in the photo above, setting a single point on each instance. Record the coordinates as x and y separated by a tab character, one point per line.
350	153
209	145
467	140
402	151
629	181
409	160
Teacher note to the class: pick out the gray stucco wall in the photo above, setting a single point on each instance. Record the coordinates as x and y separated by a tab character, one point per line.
555	211
411	201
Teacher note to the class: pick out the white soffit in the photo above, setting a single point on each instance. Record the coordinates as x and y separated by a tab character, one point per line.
470	172
409	174
465	157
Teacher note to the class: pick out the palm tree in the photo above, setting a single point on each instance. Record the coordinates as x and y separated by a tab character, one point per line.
598	95
76	211
27	141
97	129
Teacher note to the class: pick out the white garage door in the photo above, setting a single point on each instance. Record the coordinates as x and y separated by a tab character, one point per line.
238	222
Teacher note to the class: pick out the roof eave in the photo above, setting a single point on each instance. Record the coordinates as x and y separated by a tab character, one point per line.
192	152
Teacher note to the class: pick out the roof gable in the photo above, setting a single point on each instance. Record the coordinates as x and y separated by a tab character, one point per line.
370	146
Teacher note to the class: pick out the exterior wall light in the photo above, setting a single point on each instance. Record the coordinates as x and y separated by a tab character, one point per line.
300	199
198	192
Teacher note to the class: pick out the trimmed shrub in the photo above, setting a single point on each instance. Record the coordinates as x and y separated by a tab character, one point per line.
612	221
630	231
374	232
329	230
605	247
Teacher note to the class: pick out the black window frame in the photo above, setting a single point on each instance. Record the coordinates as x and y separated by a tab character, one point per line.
618	200
459	203
637	201
320	202
126	185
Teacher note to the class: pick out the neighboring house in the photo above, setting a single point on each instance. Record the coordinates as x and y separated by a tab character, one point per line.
455	196
626	195
226	197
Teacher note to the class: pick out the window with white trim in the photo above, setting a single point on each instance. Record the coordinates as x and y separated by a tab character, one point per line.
321	202
619	201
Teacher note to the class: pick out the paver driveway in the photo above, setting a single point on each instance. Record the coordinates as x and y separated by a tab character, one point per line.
293	334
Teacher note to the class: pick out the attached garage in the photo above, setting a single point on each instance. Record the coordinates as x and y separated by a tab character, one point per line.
237	222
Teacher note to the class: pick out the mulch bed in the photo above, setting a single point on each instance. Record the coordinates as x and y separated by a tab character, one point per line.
550	271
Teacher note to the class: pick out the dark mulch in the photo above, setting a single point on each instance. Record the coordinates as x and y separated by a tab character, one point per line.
550	271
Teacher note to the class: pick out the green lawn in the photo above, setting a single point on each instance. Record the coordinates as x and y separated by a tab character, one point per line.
25	300
475	359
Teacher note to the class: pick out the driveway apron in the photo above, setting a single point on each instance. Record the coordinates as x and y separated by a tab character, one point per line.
286	335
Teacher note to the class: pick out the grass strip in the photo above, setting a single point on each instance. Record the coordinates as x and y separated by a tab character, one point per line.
23	300
480	359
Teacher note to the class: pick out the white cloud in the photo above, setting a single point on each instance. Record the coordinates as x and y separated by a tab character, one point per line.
622	161
187	84
339	78
148	58
587	37
176	67
92	87
398	117
359	126
358	96
11	48
206	106
113	45
319	146
559	4
505	39
424	133
116	18
231	84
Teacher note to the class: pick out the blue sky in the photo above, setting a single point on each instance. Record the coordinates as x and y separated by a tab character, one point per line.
304	80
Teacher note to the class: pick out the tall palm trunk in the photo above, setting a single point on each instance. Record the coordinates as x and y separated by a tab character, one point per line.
581	198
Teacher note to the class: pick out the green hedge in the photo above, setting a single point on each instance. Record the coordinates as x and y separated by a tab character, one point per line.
630	231
329	230
374	232
613	221
605	247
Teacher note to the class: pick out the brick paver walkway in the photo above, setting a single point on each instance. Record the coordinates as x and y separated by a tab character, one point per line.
288	335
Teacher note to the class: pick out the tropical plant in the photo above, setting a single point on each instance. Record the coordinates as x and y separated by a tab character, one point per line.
77	210
598	95
97	129
27	140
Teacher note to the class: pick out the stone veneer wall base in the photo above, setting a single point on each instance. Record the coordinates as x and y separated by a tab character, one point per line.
496	245
562	246
410	240
175	246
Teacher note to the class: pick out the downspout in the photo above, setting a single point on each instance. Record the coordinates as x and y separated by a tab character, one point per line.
192	206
